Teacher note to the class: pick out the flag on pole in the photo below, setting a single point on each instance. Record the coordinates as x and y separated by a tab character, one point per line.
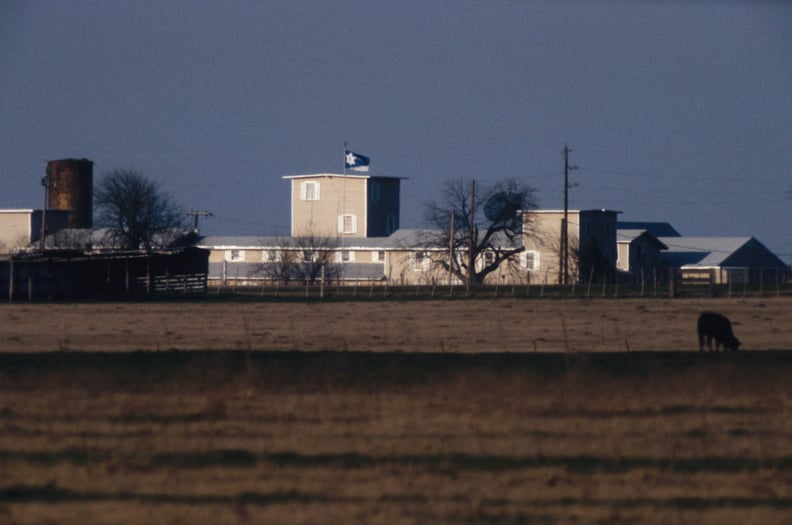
355	161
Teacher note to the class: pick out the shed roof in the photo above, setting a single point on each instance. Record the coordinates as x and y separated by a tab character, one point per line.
700	251
404	238
399	240
629	236
658	229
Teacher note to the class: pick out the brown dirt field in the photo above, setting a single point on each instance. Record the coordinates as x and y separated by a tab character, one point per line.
422	412
476	326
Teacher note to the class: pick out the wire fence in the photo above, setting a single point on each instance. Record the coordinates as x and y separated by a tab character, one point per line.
613	290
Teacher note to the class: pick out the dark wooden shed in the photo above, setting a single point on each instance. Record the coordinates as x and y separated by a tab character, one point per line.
76	275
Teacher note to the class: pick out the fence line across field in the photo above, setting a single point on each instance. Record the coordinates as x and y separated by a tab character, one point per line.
675	283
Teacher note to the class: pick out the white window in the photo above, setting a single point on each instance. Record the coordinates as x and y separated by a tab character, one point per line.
270	256
489	258
307	256
347	223
309	190
378	256
345	256
529	260
420	261
234	255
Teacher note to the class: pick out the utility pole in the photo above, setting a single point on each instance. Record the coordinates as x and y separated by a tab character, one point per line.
472	236
563	277
45	181
451	254
195	214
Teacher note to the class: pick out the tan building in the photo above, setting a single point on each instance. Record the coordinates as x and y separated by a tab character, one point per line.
20	228
333	205
347	226
592	244
402	258
639	254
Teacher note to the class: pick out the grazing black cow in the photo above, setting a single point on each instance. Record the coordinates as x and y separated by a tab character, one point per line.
716	326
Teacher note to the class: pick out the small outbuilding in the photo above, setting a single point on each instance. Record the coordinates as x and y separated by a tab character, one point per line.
731	259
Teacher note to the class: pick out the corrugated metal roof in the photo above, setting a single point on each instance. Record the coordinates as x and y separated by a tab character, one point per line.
399	240
700	251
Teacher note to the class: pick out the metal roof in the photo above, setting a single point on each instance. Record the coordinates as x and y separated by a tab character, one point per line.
341	175
628	236
700	251
399	240
658	229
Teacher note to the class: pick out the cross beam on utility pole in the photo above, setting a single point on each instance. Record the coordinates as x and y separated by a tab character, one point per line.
195	214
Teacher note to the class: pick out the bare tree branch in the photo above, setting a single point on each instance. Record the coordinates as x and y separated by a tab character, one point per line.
303	259
496	228
134	210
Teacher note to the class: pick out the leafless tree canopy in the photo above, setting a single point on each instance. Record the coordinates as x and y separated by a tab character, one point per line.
495	226
303	259
135	210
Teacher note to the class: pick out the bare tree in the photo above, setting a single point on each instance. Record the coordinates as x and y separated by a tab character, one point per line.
136	212
303	259
487	220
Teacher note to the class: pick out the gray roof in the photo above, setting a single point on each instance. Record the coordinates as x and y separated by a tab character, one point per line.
658	229
101	238
241	241
700	251
628	236
400	239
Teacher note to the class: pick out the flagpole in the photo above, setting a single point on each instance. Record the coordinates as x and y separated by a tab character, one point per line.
343	210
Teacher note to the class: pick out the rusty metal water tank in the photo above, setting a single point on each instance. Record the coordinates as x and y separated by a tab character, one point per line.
71	188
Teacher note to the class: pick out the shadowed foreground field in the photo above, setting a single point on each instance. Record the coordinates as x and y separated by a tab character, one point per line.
485	411
357	437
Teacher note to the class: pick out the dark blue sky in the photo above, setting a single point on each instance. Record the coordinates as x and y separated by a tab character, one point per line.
677	111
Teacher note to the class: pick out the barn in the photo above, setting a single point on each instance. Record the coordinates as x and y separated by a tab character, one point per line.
731	260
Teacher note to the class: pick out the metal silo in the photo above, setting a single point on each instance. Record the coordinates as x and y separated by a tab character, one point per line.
70	183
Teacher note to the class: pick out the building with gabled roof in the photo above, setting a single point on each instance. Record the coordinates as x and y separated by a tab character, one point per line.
638	253
732	259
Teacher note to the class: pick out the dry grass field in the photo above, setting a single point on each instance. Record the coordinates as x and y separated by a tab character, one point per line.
503	411
458	326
